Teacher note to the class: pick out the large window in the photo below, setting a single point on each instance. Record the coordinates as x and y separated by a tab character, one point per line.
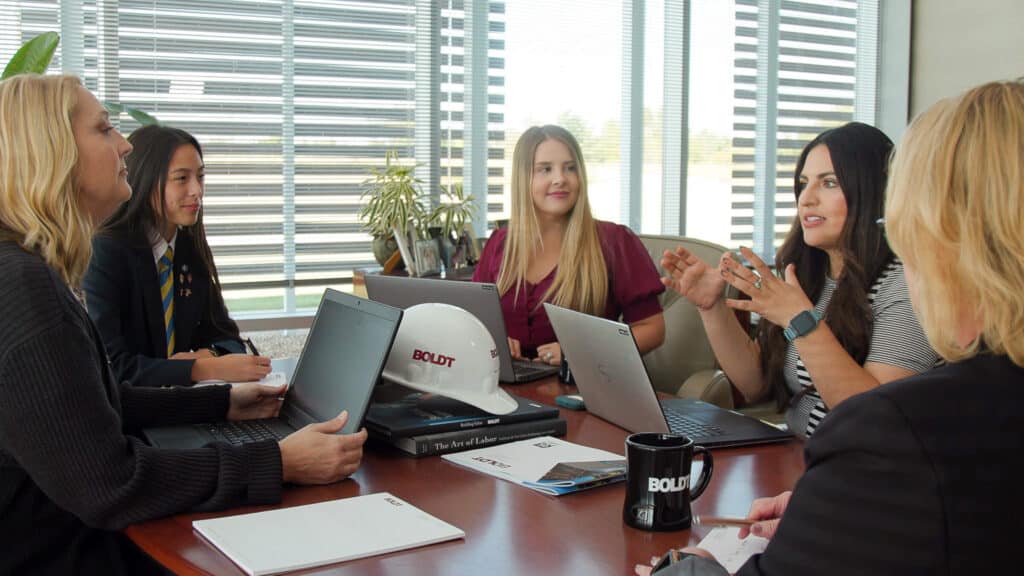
690	112
294	101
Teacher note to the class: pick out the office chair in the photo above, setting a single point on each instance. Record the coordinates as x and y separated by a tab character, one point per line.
685	365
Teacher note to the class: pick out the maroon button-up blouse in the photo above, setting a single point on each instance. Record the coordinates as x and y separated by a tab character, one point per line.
633	286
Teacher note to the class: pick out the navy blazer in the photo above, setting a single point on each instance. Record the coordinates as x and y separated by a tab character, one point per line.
123	298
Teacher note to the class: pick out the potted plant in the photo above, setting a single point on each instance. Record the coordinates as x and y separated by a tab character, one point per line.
453	213
449	218
394	201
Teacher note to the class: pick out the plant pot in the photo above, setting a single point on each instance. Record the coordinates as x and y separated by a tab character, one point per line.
383	248
445	248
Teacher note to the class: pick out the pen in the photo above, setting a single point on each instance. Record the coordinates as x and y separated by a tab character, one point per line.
252	347
721	521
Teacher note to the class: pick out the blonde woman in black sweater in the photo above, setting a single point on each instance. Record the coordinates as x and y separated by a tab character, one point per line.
72	471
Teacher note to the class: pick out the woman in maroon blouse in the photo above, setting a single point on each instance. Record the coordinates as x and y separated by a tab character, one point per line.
554	251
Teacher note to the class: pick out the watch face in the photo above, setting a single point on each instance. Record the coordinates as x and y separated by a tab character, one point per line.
803	322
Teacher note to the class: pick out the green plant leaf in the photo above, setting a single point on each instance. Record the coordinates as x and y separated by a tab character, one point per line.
142	117
34	56
394	199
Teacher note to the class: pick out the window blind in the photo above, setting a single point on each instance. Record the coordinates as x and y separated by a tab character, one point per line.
815	66
692	110
293	101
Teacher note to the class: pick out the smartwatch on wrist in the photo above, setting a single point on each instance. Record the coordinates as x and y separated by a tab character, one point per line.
802	324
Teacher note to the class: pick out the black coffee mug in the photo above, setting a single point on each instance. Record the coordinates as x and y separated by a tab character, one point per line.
658	490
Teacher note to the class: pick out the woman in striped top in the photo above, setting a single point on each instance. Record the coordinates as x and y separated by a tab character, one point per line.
836	320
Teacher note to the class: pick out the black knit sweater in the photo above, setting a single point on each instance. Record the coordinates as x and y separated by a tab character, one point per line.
72	472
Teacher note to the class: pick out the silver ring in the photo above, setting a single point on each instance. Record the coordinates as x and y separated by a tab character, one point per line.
758	283
548	355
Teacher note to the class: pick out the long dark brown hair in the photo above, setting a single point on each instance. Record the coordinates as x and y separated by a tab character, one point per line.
148	165
860	158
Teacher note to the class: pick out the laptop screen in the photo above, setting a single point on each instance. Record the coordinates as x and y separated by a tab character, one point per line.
344	354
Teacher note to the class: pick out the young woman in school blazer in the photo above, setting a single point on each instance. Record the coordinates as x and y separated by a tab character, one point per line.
922	476
152	285
73	471
553	250
837	320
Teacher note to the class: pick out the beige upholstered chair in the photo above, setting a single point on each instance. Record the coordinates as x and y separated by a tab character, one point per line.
685	364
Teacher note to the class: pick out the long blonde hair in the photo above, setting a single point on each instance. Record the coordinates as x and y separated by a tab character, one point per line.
39	203
581	282
955	215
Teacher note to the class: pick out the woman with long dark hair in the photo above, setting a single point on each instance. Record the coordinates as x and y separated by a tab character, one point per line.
152	286
836	319
921	476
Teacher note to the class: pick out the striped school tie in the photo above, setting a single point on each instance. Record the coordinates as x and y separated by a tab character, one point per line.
165	268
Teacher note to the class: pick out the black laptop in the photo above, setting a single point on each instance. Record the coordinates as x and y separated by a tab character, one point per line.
614	383
477	298
340	364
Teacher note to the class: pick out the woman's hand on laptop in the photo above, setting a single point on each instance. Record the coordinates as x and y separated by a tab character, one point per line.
318	455
550	353
231	368
250	401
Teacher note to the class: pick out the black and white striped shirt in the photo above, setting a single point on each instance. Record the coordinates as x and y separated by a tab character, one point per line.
897	340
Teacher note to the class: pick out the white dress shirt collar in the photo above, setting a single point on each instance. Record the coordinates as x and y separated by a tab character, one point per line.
156	240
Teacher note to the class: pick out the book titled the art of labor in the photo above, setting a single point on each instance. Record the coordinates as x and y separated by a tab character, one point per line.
470	438
546	464
324	533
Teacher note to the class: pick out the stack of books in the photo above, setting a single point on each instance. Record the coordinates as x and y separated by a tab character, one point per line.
428	424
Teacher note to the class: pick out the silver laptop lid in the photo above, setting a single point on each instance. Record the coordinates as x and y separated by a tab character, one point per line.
341	360
608	370
478	298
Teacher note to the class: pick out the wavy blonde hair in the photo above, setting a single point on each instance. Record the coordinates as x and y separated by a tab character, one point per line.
581	282
955	215
39	202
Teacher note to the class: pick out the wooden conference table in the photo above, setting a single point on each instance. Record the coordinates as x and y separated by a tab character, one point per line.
509	529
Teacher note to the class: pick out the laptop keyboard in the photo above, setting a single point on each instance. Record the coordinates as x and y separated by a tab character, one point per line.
692	427
526	368
243	431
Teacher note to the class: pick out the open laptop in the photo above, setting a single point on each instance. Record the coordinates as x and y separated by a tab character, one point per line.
479	299
614	383
340	364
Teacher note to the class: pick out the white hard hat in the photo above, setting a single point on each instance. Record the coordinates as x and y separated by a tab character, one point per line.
443	349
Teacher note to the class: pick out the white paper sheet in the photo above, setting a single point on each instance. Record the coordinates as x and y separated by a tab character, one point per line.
272	379
729	549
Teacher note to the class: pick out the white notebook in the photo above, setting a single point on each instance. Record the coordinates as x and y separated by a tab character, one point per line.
323	533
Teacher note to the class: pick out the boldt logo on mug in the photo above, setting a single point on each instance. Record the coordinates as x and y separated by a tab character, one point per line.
668	484
658	490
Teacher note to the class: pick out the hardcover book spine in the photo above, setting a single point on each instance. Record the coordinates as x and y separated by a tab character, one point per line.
445	442
391	429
